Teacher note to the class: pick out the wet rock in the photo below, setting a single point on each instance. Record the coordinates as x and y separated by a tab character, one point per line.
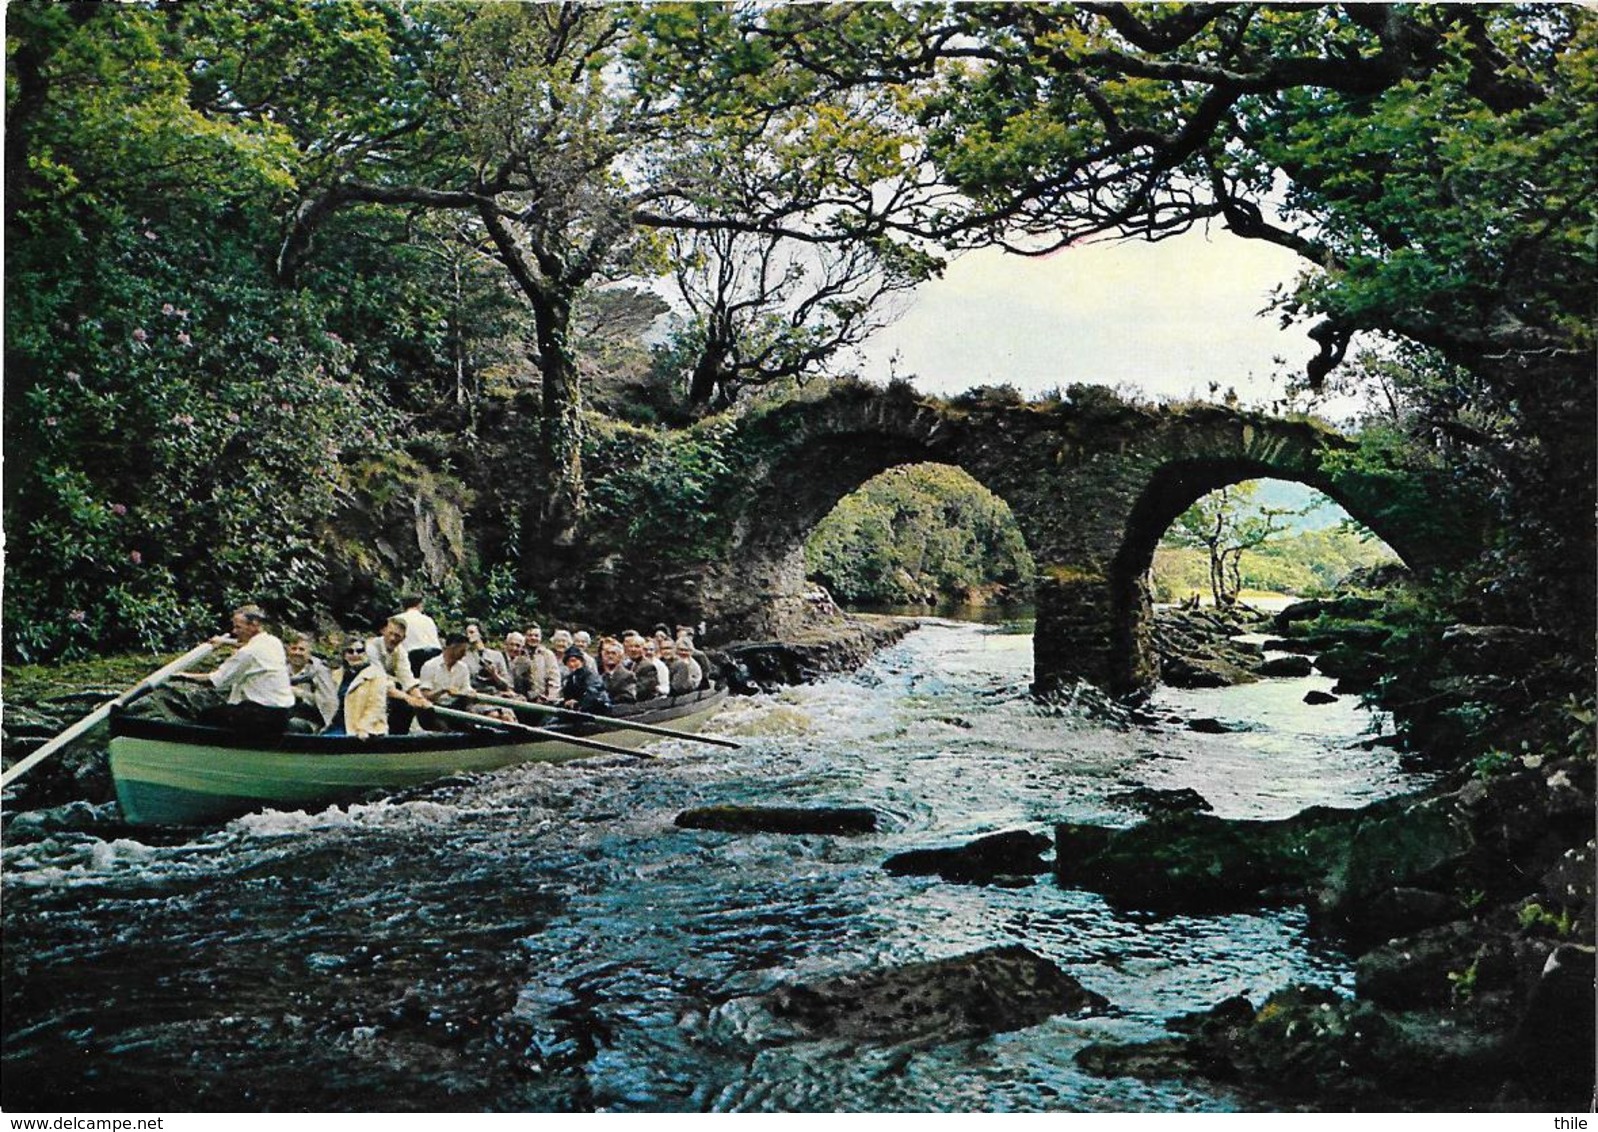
1429	968
1196	648
1196	862
1010	854
1315	697
1153	801
1308	1042
840	646
1356	668
1553	1045
841	820
1567	884
986	992
1286	666
1208	725
1485	650
1348	607
1341	862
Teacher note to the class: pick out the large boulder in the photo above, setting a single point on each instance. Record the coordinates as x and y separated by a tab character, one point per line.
986	992
1015	853
1286	666
1344	863
1193	862
1311	1043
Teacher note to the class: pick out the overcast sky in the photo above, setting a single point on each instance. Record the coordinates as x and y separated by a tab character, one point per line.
1166	318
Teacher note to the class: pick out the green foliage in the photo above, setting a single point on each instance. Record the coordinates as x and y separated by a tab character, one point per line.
1534	917
657	490
1488	763
917	530
176	424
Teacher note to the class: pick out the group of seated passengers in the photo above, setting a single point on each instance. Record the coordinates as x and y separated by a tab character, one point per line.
384	687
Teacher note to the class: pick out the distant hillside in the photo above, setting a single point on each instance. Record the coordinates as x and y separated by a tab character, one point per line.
1321	513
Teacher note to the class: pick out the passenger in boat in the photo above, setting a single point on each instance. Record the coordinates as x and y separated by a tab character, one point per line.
699	656
446	681
646	670
544	686
652	657
255	680
585	641
583	689
315	686
489	668
363	694
387	651
421	632
685	671
620	684
518	663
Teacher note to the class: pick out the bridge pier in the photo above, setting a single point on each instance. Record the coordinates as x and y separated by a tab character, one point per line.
1094	628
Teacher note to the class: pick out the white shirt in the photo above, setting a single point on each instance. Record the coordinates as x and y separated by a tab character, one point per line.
396	663
456	680
258	672
421	631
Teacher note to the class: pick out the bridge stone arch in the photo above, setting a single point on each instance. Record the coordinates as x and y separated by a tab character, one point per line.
1093	483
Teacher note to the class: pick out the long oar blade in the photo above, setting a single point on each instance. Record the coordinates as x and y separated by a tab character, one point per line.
17	770
607	720
575	740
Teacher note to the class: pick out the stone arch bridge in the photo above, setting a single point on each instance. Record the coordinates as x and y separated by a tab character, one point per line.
1093	482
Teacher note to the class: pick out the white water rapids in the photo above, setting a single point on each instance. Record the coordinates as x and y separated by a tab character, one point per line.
545	938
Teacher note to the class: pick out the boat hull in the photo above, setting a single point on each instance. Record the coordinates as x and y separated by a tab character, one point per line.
179	774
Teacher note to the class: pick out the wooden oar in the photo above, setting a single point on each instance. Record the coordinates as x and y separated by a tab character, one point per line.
607	720
575	740
149	683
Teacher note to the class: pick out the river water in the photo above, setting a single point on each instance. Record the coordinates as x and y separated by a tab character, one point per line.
545	938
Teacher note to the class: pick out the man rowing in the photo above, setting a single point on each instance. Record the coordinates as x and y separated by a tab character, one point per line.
255	680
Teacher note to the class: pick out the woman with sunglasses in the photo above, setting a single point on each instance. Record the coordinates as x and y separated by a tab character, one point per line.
363	694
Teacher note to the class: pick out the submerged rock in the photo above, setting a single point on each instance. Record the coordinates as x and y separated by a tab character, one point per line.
845	820
1151	800
985	992
1286	666
987	860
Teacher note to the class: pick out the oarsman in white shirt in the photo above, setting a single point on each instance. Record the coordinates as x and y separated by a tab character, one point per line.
421	633
387	651
446	680
255	679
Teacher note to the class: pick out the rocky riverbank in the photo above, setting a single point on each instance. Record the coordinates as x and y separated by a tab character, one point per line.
1470	908
828	644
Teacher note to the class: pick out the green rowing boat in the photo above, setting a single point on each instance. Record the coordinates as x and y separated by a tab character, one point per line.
172	773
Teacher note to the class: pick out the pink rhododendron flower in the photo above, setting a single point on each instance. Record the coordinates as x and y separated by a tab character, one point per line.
78	615
183	339
168	309
139	334
135	557
119	508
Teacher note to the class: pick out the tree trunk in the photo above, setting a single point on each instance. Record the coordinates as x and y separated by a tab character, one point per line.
562	423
